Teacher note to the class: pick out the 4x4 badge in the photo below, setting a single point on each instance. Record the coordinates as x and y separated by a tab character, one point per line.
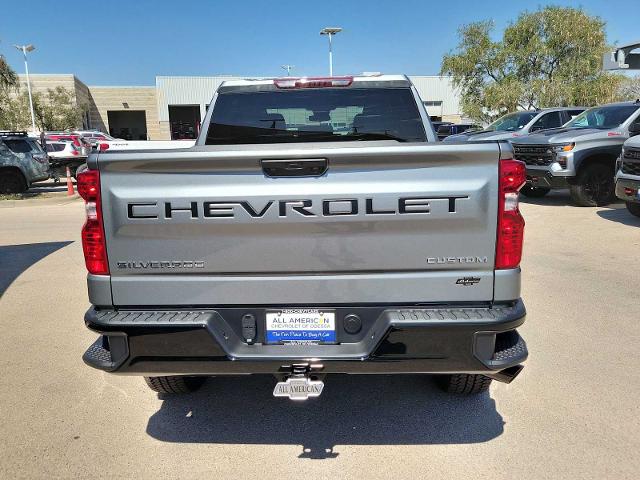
467	281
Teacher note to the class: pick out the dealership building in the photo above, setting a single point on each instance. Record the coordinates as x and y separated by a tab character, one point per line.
175	106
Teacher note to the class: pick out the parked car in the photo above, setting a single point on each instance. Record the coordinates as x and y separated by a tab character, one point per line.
95	136
63	154
309	251
455	128
517	124
78	140
581	155
628	171
22	162
437	124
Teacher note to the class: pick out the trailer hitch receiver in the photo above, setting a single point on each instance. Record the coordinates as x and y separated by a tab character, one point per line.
300	383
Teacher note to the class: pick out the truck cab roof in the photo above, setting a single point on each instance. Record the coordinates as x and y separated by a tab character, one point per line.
246	82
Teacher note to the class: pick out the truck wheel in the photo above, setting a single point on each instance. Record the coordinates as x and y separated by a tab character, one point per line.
464	383
534	192
174	384
12	181
595	186
634	208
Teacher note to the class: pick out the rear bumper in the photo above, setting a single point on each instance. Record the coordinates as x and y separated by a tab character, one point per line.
628	189
439	339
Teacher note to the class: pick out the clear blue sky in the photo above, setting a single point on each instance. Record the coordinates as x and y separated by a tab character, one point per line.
130	42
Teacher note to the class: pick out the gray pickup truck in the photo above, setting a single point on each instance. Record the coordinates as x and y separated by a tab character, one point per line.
628	174
581	155
281	245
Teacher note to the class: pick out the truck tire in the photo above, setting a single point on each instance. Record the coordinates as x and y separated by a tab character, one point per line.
634	208
534	192
464	383
595	186
174	384
12	181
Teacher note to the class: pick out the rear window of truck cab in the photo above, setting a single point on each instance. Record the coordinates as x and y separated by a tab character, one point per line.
315	115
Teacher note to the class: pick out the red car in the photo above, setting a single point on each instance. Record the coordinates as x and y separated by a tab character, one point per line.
78	140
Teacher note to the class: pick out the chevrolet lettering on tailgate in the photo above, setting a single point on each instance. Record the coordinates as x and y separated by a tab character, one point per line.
303	207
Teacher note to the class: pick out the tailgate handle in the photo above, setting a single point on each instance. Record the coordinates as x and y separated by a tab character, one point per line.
305	167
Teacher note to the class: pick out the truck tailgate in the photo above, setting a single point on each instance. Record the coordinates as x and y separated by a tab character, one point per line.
385	223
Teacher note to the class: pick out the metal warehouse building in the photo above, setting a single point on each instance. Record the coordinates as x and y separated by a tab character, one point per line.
175	107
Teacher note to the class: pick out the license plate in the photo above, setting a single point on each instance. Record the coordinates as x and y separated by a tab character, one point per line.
301	325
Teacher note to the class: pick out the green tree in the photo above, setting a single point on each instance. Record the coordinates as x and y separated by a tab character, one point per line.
547	58
8	77
8	83
15	115
58	110
629	88
55	110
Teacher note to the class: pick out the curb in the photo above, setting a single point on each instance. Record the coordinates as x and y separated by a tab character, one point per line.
30	202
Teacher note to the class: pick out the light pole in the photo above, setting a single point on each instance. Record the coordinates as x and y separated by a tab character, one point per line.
288	68
330	32
25	49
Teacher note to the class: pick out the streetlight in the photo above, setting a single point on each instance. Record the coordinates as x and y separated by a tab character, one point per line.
288	68
25	49
330	32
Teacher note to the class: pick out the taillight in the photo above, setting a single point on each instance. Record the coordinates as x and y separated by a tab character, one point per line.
93	241
510	233
103	147
74	151
313	82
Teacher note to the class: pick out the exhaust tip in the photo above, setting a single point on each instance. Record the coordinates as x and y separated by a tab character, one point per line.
507	375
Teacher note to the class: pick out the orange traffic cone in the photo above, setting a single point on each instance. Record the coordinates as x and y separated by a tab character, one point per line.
69	183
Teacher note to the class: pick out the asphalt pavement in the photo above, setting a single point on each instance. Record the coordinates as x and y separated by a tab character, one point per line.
573	413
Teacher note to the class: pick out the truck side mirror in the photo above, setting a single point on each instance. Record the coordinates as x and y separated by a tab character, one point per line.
634	128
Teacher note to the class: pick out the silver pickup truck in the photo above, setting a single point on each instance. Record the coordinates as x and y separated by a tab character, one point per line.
518	124
581	155
316	227
628	174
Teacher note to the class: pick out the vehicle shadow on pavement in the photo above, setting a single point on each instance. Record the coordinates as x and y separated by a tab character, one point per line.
353	410
15	259
620	215
555	198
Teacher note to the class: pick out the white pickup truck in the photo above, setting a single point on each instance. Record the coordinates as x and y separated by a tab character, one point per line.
104	145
